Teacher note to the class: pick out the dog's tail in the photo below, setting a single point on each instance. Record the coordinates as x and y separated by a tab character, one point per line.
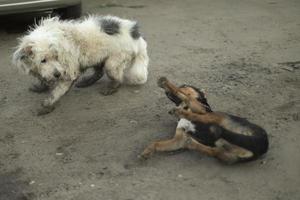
137	74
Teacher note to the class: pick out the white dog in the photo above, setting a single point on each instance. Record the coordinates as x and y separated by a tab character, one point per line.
58	52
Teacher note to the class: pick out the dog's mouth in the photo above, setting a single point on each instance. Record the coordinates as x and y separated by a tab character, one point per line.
174	98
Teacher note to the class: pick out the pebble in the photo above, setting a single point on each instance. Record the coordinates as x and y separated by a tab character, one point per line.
263	162
133	122
291	69
31	182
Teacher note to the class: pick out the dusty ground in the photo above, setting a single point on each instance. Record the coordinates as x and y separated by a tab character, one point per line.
87	148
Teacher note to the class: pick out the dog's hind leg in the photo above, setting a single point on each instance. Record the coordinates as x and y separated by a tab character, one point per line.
224	151
112	87
193	144
91	79
39	87
231	153
177	142
114	68
137	73
216	152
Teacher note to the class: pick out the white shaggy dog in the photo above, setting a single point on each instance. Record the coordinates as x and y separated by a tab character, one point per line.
58	52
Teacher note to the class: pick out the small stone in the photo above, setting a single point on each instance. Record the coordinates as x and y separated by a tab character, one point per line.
263	162
288	68
296	116
192	184
59	154
133	122
31	182
92	185
179	176
136	91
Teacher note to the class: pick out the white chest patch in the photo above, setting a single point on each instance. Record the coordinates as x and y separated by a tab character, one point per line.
186	125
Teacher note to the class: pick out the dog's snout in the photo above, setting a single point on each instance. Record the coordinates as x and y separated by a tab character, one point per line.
162	81
57	74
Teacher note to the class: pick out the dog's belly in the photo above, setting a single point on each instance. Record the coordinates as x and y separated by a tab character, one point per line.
186	125
200	132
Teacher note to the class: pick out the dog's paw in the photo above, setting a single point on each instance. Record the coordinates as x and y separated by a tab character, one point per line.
146	154
38	88
47	103
142	157
86	82
174	111
228	158
188	141
45	110
108	91
161	82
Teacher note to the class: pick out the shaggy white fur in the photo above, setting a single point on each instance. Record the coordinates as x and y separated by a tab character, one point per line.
57	52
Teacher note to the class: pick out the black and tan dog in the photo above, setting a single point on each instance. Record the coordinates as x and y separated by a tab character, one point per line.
228	138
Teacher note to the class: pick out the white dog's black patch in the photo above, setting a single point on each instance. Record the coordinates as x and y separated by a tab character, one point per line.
134	32
110	26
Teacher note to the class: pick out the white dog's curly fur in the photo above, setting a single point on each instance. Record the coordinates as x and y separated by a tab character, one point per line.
57	52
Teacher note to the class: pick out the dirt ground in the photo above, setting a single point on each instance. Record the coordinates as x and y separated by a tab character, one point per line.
87	148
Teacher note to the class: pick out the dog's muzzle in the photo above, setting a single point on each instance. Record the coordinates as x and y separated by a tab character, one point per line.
57	74
174	98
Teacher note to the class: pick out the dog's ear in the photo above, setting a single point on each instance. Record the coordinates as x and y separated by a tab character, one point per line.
28	51
21	55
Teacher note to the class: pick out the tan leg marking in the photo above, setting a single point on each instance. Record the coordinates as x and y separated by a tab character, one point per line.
229	148
226	155
177	142
208	118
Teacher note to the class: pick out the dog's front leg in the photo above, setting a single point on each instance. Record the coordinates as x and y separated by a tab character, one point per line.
39	87
58	91
177	142
208	118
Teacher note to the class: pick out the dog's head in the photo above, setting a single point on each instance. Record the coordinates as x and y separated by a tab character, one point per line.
191	91
41	53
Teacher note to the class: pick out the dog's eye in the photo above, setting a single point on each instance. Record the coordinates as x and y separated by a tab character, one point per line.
44	60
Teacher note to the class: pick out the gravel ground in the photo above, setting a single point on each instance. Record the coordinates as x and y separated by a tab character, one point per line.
238	51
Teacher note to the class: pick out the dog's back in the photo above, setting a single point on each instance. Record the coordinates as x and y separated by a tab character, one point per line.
241	132
236	130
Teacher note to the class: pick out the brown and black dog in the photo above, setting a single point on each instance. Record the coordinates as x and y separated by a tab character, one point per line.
226	137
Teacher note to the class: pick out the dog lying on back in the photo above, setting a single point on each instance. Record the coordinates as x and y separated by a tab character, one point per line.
57	52
226	137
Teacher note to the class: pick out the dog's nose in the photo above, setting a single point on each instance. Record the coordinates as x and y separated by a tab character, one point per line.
56	74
